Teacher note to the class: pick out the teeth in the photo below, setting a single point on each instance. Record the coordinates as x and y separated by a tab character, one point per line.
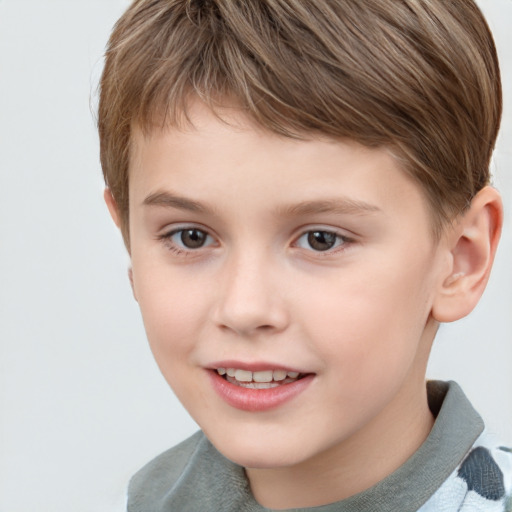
279	375
260	377
254	385
243	376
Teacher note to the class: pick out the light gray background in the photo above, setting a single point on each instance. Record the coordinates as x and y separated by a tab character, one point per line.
82	402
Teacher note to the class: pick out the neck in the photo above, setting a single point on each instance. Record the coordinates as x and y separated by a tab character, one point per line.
354	465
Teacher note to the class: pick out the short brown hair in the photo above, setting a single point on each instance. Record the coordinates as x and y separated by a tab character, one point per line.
418	76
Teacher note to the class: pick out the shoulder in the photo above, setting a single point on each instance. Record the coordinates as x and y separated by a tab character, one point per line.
475	467
189	477
481	482
487	470
159	475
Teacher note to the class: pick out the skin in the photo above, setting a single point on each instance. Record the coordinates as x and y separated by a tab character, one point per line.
360	316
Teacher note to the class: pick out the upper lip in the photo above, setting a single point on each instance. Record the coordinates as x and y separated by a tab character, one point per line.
254	366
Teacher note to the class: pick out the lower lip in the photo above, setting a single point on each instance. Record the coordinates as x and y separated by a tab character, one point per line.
255	400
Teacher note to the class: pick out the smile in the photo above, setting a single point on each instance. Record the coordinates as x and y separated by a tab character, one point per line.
265	379
258	390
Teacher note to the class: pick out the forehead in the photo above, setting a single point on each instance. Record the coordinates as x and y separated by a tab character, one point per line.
226	160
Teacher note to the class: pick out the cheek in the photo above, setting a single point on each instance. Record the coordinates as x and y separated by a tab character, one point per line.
174	315
173	310
372	319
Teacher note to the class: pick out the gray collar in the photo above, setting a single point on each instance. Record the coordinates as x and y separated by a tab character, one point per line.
206	481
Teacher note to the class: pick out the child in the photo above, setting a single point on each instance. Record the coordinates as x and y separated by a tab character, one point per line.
303	189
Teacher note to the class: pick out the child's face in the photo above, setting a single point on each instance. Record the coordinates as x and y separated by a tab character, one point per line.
256	252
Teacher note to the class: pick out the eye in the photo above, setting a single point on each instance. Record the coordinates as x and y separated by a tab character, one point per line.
192	238
321	240
188	239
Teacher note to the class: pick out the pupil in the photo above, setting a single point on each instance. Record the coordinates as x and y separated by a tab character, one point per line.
321	240
193	238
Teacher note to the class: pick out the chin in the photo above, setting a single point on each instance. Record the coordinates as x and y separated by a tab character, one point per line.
259	459
259	454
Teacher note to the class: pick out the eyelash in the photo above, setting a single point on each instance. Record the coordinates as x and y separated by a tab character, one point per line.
340	243
167	239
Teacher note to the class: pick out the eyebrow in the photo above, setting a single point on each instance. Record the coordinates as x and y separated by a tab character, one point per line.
338	205
170	200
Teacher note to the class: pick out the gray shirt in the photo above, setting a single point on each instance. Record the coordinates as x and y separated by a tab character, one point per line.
456	466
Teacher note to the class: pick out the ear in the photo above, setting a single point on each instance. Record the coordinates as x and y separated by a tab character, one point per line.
112	207
130	277
473	242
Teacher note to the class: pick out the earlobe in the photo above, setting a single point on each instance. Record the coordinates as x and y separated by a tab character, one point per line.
473	247
112	206
130	277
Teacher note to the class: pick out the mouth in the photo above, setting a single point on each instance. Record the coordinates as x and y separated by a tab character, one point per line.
258	388
263	379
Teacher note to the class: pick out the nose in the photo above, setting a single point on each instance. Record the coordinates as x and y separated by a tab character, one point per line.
251	299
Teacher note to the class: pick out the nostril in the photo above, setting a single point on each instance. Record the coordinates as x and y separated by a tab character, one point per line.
250	312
